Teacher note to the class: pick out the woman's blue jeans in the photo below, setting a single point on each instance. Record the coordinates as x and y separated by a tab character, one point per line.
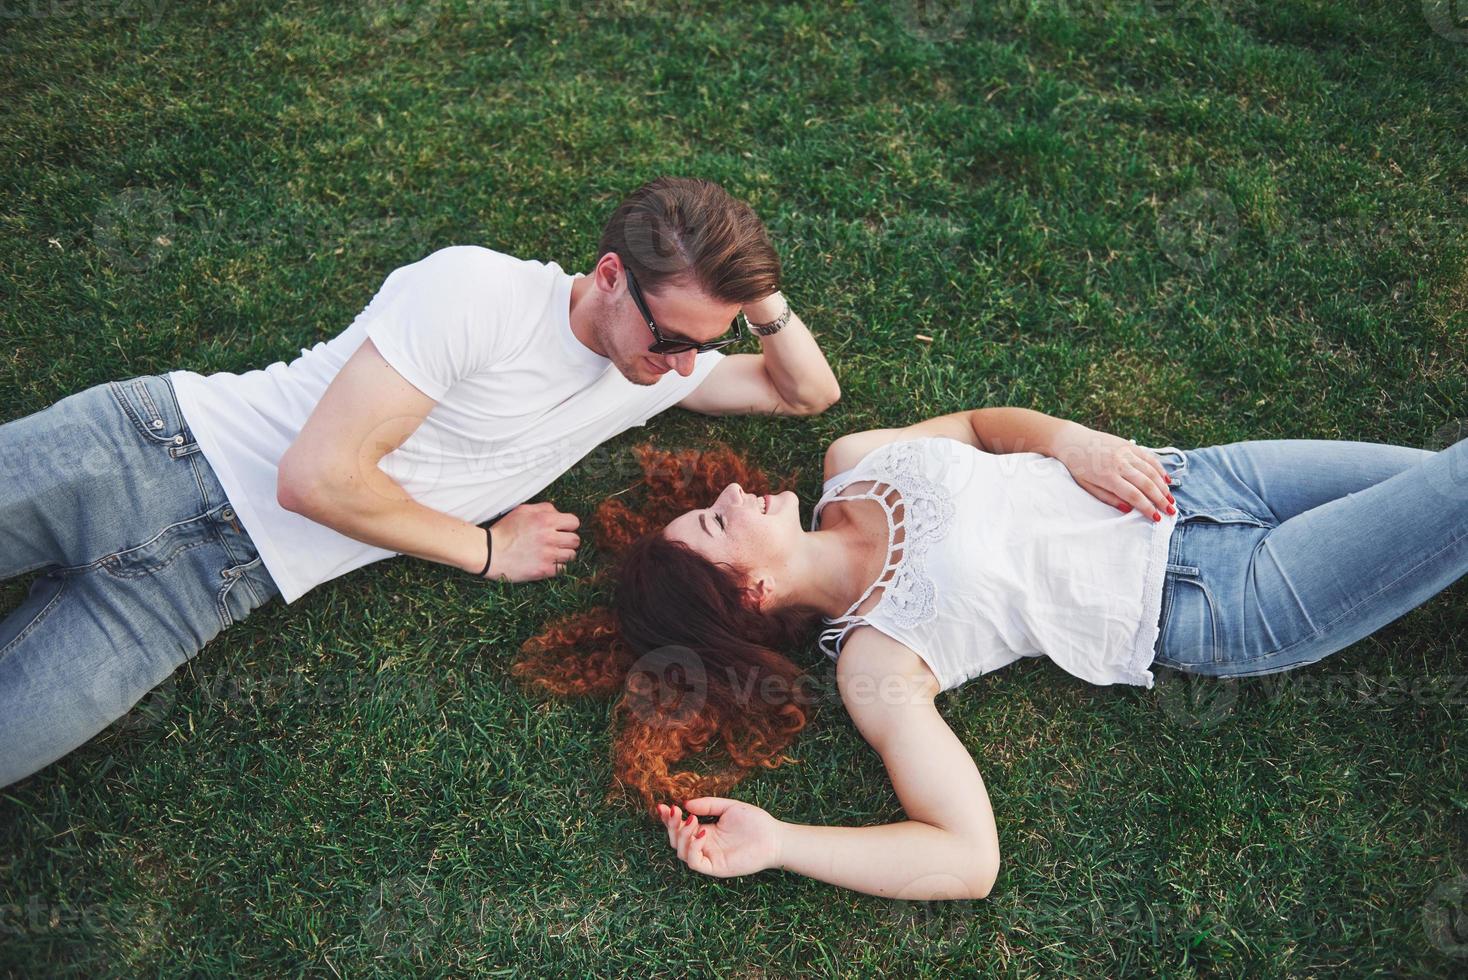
1286	551
142	562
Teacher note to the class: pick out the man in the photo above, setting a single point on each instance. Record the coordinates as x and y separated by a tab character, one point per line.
163	509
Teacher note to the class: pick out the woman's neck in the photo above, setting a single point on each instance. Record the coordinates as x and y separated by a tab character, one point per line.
834	568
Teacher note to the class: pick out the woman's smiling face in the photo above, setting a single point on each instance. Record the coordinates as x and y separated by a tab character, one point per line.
751	533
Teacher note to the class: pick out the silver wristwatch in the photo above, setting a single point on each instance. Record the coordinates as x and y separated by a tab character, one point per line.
774	326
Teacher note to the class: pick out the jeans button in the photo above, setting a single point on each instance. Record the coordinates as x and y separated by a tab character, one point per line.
156	423
178	440
227	513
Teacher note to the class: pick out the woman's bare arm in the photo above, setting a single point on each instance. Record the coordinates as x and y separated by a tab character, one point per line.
1111	469
948	847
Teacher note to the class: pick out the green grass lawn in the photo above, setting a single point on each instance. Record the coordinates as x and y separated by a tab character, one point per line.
1187	223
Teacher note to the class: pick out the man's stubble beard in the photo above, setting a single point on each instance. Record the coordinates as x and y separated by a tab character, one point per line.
605	333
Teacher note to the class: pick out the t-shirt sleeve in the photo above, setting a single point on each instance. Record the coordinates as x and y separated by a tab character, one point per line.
438	320
672	387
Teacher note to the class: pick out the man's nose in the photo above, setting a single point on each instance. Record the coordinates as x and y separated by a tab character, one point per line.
682	362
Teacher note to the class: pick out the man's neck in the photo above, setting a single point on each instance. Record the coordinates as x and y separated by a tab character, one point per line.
582	316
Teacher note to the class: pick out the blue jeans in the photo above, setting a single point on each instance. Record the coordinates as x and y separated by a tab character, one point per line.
1288	550
142	562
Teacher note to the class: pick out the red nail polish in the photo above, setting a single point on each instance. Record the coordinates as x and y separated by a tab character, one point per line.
1124	508
1156	516
699	834
1170	500
1167	478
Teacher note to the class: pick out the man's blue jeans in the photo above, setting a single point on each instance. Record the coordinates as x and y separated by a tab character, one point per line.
143	562
1286	551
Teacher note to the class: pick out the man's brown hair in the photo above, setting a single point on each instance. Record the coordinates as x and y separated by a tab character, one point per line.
682	230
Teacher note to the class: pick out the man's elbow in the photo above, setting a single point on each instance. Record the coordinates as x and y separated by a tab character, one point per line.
297	489
817	402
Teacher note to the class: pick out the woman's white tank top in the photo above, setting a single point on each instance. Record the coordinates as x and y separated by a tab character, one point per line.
996	557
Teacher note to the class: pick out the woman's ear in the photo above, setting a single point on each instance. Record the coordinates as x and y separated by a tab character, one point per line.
760	593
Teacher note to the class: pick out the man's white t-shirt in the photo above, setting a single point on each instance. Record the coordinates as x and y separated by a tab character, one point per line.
486	335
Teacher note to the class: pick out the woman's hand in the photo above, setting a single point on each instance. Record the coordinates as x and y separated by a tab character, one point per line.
1113	470
745	840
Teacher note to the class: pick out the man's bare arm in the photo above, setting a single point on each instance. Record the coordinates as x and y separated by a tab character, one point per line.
789	377
330	475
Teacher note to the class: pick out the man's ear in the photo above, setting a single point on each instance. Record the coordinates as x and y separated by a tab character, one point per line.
608	271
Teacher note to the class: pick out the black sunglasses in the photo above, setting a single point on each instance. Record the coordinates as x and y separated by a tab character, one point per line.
661	344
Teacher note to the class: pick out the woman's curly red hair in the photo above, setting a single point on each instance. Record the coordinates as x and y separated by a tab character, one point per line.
688	658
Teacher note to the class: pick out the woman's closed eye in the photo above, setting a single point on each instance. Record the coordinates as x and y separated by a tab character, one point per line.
720	519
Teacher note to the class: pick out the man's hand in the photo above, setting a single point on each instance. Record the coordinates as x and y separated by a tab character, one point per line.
533	541
1114	470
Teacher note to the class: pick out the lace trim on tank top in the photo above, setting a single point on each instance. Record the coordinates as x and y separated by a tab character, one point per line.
907	591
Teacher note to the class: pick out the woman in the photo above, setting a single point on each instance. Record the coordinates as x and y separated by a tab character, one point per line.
952	547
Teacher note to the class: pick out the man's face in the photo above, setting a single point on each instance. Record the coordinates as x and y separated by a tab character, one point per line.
682	312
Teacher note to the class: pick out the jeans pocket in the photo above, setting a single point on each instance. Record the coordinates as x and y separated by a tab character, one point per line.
149	404
1189	631
158	552
246	588
1222	515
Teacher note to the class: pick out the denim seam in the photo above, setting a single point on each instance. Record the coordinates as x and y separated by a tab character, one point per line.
118	394
1320	631
101	563
147	570
41	614
1169	584
244	577
199	480
1227	515
220	609
1174	547
229	550
142	386
43	563
240	570
120	397
183	423
226	620
190	445
1212	626
254	592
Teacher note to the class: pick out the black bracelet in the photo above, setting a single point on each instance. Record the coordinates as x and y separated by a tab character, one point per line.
490	557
